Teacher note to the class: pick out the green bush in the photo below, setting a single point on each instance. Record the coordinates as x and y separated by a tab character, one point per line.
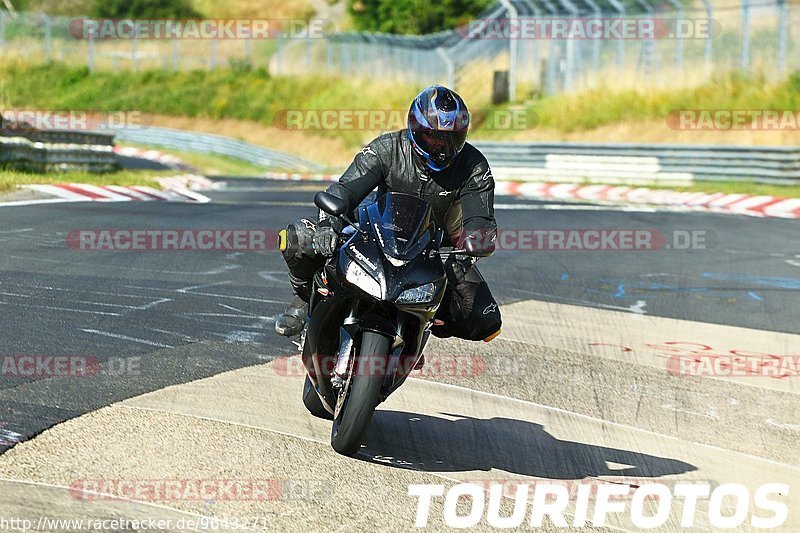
794	82
413	16
144	9
240	93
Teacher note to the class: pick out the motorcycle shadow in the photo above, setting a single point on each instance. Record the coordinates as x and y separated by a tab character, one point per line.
435	444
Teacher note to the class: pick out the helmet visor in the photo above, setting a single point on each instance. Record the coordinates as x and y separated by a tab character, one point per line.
442	147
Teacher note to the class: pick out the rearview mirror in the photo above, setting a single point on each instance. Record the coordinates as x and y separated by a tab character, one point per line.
333	205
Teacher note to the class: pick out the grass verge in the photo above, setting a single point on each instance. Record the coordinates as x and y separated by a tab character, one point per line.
725	187
208	164
737	187
10	179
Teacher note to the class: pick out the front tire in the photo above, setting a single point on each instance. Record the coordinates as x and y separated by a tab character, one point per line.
355	415
313	403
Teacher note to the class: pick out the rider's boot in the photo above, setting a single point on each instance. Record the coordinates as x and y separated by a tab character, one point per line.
293	320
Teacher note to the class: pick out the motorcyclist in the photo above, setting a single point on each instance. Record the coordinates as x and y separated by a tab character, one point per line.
429	159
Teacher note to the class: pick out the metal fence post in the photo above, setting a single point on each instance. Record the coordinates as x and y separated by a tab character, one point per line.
679	39
175	56
569	64
513	44
135	53
535	70
213	59
708	49
90	53
248	52
397	65
48	38
345	58
2	28
745	64
552	62
449	66
620	52
328	56
783	34
278	56
598	13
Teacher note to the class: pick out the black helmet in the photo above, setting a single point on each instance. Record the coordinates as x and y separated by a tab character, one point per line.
438	122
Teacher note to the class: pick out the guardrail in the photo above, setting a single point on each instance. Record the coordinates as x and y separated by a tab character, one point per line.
208	143
641	163
40	151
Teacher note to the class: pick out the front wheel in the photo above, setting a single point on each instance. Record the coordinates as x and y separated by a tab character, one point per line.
362	391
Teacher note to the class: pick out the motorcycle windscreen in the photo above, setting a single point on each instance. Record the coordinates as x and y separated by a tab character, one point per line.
402	223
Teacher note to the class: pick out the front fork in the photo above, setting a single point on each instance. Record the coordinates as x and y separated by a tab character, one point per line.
346	352
346	355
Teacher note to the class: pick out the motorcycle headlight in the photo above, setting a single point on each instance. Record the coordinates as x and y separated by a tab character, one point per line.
418	295
360	278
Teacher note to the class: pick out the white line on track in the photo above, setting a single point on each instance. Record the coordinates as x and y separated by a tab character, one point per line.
230	308
203	286
636	309
52	308
126	338
40	202
153	304
225	296
228	315
219	270
46	288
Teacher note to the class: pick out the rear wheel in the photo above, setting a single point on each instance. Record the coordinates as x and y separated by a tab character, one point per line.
313	403
362	391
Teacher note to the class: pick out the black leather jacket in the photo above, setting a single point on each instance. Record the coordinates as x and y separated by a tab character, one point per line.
462	195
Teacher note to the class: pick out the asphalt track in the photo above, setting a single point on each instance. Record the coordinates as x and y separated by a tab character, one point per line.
577	388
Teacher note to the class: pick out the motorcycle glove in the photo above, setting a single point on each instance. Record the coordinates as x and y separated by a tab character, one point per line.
325	239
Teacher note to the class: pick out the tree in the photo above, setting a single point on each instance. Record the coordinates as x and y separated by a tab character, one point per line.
414	16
